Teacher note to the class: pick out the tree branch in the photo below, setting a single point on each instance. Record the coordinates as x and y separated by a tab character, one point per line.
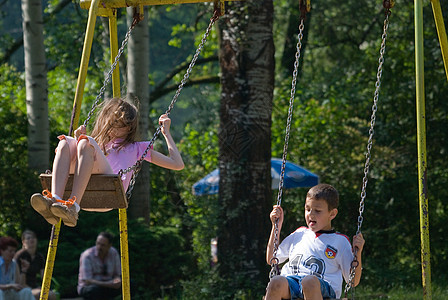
181	67
353	40
158	93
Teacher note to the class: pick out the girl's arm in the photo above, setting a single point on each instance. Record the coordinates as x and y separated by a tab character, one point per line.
174	160
277	213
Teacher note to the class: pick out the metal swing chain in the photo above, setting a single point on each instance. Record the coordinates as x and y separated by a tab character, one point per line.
355	261
137	166
274	261
135	21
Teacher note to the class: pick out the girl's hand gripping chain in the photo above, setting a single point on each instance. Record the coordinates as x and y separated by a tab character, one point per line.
80	131
165	121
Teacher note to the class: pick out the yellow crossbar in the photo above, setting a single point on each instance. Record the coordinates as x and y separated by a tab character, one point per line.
85	4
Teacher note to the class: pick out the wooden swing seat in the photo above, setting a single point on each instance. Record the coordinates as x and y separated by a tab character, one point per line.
103	192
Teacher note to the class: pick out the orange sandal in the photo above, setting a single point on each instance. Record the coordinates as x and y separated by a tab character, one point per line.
42	203
65	210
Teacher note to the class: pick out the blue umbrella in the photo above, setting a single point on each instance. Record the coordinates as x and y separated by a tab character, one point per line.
295	176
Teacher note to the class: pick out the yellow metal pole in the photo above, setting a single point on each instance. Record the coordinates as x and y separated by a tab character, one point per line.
113	53
52	248
51	256
82	74
122	215
126	285
440	25
421	149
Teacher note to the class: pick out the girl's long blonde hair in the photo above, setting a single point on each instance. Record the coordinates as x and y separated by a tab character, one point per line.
115	113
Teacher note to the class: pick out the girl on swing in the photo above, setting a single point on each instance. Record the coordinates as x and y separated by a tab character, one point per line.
110	148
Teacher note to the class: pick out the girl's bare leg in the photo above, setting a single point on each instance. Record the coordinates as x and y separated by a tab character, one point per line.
61	169
89	160
67	211
83	169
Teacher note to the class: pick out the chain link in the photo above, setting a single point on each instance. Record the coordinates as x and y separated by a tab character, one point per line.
355	262
137	166
112	69
274	260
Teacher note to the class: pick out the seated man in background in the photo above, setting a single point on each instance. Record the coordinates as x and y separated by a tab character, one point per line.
12	281
99	270
36	263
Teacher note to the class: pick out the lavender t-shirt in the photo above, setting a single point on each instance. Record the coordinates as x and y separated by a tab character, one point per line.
126	157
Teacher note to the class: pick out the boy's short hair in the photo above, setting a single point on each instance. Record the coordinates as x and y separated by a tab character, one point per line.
7	241
325	192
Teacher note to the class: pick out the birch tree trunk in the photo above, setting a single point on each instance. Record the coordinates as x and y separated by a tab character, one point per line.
247	64
36	85
138	92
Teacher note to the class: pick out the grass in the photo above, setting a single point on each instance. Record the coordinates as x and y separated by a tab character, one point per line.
401	293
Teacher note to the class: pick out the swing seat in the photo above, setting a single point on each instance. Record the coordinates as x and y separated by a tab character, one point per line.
103	192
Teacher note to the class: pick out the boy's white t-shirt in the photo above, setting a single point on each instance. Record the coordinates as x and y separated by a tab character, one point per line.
326	254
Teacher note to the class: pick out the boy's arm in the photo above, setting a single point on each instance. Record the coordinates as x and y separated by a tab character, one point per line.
270	246
358	242
276	214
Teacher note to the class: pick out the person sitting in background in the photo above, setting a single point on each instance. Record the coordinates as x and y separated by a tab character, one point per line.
36	263
99	270
12	281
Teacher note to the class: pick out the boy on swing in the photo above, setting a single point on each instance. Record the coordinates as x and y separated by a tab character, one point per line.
318	256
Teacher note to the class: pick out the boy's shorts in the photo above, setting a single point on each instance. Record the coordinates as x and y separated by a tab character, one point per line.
295	287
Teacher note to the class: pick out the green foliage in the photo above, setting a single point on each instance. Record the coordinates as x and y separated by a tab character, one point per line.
210	284
15	177
197	215
171	259
164	265
154	257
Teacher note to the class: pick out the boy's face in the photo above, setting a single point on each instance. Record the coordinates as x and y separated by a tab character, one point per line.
317	215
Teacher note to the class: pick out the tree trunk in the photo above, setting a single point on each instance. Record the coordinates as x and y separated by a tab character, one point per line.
36	86
247	63
138	92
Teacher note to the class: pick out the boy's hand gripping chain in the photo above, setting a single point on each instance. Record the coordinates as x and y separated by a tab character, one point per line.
387	5
304	8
